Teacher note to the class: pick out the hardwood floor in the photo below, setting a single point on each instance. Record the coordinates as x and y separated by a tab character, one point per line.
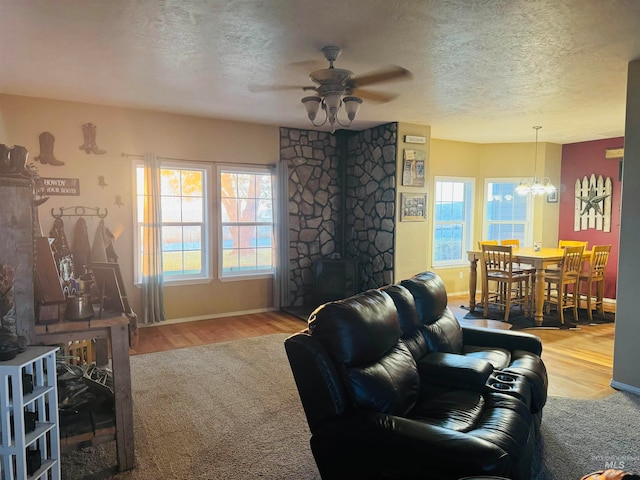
161	337
579	362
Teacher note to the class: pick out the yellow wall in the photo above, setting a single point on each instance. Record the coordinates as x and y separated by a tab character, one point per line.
411	256
455	159
131	131
119	130
481	161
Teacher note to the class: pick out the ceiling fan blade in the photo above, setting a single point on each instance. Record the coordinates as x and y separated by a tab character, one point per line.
275	88
374	96
388	74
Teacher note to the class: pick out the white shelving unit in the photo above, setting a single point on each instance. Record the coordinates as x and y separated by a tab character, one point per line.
40	363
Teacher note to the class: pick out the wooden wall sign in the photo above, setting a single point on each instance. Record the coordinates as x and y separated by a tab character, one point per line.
614	152
58	186
593	204
415	139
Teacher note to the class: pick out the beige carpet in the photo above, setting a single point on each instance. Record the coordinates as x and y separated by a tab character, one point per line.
222	411
231	411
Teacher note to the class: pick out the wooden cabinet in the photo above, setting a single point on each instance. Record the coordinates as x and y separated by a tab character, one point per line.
17	247
112	341
29	451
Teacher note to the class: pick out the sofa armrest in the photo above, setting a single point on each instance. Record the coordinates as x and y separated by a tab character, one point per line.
453	370
364	444
321	393
482	337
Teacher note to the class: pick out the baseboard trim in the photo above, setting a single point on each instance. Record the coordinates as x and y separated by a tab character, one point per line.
624	387
211	316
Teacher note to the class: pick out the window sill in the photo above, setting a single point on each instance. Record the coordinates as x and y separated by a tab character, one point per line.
181	283
442	266
250	276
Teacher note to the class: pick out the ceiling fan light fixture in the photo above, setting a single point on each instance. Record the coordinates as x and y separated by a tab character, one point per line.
351	106
333	102
311	105
334	88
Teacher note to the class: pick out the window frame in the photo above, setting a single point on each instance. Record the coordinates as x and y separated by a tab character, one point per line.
206	251
252	274
467	223
528	223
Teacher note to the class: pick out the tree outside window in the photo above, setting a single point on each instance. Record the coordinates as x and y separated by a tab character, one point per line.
246	221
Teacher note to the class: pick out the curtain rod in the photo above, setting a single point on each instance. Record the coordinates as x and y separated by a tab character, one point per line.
133	155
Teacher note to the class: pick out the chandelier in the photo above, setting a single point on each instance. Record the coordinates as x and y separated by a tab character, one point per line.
331	101
536	187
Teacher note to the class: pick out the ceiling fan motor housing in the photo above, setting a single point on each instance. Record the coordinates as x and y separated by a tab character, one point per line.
331	53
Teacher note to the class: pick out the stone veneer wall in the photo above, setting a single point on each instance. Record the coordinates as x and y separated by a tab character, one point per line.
314	205
371	203
319	164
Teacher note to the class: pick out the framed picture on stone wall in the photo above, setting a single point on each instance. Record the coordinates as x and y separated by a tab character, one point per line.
413	207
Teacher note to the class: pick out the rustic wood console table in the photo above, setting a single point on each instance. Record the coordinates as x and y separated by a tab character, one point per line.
112	341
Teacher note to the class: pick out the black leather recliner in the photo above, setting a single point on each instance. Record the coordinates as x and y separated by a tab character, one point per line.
376	413
511	352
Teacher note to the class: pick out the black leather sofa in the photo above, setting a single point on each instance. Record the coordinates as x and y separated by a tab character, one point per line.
393	389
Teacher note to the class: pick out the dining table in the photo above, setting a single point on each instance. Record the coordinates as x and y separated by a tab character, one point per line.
540	259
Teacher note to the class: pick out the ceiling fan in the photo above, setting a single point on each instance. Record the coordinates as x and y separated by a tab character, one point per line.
336	87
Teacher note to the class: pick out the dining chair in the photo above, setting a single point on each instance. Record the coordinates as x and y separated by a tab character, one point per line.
512	286
523	267
487	242
511	241
594	276
515	243
494	291
558	282
573	243
566	243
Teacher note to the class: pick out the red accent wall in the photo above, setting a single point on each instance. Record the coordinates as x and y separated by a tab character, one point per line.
583	159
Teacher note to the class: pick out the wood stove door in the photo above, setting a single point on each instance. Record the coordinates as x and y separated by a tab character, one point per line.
334	279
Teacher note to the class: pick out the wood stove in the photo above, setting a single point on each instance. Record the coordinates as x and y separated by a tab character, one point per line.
335	278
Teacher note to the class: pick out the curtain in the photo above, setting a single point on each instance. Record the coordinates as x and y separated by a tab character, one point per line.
281	213
152	280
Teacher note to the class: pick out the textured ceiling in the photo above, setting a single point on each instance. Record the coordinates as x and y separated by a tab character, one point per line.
483	70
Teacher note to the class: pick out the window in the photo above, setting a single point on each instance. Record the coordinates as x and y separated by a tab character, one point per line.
452	229
507	214
185	221
246	226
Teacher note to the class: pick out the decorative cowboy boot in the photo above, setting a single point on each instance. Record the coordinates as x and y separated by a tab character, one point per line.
18	159
89	146
5	160
46	150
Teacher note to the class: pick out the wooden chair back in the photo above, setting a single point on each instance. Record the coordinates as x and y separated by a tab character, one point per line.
497	260
512	241
594	276
572	243
598	262
498	267
486	242
572	263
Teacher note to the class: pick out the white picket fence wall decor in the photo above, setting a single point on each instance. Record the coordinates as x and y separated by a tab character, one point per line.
593	204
